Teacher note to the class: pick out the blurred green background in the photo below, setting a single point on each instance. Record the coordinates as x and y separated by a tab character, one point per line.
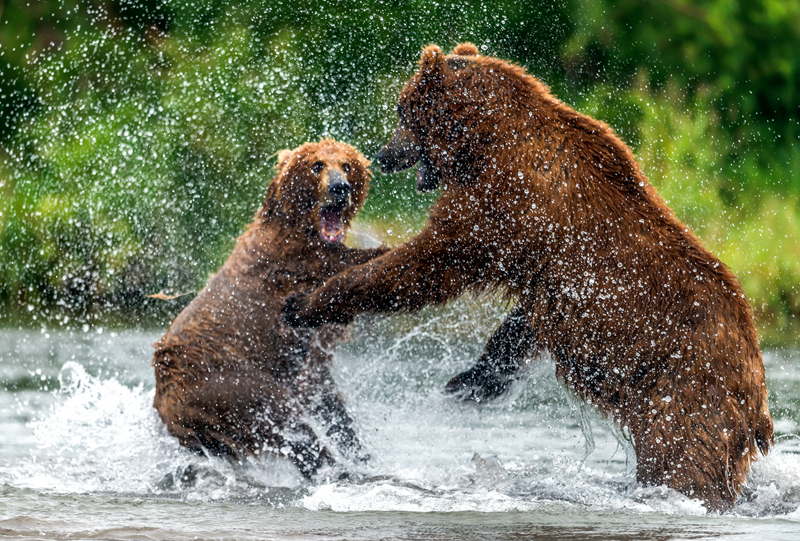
137	137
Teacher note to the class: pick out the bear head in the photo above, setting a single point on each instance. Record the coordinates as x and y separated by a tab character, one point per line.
452	109
318	189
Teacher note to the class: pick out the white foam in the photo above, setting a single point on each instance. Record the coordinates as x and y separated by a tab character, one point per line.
430	453
386	496
773	485
102	436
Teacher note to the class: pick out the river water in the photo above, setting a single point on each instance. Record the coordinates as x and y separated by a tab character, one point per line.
83	454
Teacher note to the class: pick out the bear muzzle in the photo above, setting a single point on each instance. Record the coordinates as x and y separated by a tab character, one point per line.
336	198
339	190
401	152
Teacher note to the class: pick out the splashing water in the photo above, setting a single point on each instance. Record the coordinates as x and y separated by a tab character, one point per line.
79	427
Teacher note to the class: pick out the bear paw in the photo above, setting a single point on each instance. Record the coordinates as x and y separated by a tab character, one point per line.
477	386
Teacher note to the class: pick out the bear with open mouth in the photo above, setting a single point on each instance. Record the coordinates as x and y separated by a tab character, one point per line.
231	377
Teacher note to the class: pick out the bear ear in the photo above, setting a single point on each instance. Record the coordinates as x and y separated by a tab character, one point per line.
466	49
433	65
283	157
431	56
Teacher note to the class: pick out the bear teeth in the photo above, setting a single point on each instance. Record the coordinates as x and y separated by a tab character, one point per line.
330	221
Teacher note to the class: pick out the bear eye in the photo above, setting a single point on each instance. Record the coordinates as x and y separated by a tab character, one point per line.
317	168
346	167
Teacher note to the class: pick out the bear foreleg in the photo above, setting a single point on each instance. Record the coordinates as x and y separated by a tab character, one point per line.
358	256
500	362
425	270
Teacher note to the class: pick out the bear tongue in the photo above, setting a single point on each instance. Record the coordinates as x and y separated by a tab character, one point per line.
330	224
421	180
424	182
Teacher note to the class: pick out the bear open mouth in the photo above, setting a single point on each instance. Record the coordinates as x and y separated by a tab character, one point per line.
331	225
427	177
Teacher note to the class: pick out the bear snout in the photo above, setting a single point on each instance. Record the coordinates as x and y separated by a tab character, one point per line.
401	152
339	189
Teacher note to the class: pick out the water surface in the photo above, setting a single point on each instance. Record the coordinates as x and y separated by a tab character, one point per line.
83	454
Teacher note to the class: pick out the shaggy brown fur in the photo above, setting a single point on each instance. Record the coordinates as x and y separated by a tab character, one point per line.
547	203
230	376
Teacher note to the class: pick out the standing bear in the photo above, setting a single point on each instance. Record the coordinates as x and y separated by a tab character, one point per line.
231	378
550	206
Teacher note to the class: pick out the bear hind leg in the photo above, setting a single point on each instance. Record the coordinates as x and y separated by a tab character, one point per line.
691	457
306	451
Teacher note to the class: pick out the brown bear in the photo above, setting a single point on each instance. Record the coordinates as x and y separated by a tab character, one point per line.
231	377
549	205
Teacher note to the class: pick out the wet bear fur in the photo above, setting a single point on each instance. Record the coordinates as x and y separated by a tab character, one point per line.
231	377
550	206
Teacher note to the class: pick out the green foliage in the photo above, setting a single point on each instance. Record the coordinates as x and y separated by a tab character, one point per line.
137	135
742	54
